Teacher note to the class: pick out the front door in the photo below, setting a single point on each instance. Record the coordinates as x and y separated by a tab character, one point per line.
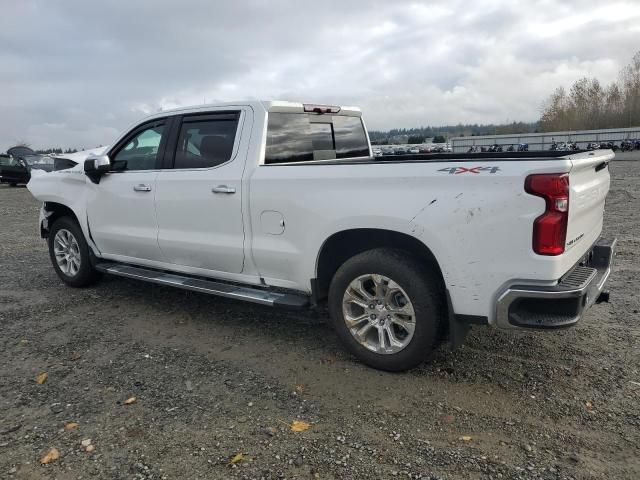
199	197
121	210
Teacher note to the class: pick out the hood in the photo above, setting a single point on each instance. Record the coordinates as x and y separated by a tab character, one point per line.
81	156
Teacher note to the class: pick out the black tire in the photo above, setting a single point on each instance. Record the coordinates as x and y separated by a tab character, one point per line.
12	184
86	274
424	289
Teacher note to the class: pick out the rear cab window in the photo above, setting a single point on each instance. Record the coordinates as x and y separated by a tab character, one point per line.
305	137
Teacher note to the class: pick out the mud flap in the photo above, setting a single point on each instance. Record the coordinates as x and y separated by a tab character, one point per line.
458	328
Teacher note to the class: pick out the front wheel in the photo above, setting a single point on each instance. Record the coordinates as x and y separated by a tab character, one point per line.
387	309
69	254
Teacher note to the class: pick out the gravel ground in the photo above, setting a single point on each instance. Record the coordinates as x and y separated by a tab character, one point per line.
214	378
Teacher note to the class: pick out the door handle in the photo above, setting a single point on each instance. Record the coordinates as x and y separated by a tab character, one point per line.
223	189
142	188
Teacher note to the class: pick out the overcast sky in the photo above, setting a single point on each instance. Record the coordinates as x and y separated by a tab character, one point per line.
76	73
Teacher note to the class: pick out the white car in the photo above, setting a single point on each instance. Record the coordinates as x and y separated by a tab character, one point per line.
282	204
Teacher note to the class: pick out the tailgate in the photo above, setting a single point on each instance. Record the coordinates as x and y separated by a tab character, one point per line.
589	184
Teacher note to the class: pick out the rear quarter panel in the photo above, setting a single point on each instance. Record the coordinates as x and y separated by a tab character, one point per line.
478	224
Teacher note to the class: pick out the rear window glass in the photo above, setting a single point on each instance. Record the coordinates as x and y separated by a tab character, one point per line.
296	137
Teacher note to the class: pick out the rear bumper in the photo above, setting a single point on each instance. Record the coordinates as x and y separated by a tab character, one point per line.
561	305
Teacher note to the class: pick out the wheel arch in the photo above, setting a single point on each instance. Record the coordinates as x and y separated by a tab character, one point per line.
342	245
52	212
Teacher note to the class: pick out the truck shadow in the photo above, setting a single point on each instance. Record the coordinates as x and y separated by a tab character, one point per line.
222	326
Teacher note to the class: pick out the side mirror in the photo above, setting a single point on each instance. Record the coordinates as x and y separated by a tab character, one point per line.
96	165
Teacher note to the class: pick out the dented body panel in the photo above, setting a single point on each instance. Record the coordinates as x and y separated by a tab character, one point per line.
477	225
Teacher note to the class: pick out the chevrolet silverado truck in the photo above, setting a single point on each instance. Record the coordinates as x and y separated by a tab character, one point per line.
283	204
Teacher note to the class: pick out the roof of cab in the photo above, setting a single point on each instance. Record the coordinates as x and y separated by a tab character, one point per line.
264	105
267	105
297	107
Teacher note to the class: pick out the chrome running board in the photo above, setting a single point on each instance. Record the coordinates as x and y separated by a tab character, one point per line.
248	294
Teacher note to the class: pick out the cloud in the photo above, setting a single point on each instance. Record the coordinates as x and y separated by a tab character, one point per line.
75	73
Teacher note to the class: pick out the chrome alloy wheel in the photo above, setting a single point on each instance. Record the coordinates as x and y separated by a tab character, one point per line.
67	252
379	314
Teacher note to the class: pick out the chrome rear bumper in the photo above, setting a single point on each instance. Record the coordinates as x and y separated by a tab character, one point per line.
562	305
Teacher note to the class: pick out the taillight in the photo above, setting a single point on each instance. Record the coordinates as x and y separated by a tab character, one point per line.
550	228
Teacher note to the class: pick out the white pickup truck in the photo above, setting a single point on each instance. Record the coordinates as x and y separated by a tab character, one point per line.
283	204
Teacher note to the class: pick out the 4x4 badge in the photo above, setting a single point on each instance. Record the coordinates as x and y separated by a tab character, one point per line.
458	170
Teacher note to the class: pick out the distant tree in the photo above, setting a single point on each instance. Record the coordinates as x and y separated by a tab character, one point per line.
413	139
395	135
439	139
589	105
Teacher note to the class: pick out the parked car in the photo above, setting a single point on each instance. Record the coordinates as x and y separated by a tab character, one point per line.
627	145
400	150
282	204
413	150
609	146
16	167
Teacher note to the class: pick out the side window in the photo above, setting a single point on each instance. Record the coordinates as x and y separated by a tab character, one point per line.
206	142
297	137
141	151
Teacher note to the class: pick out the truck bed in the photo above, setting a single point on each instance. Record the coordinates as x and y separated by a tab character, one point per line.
470	157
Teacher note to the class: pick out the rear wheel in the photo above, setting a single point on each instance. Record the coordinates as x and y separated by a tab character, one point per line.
387	309
69	254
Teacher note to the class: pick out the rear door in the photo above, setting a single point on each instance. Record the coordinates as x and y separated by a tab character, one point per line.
199	193
589	184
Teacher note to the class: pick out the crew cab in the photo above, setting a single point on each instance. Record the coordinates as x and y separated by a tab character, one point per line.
283	204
